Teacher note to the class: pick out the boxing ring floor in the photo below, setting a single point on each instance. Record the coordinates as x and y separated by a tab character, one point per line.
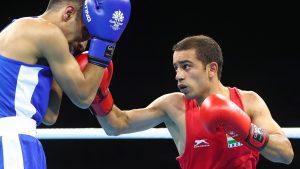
91	148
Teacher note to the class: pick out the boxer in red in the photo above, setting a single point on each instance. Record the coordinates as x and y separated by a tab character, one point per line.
213	126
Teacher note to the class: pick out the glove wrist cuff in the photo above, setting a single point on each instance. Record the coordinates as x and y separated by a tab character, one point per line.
103	106
257	138
101	52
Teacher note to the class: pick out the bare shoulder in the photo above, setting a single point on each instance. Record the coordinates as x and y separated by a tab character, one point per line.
253	103
171	102
50	32
48	37
32	37
249	96
36	26
40	31
171	98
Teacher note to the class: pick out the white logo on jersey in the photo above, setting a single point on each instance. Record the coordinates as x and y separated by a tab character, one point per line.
201	143
117	20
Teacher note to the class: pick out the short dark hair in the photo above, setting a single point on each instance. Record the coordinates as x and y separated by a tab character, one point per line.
207	49
56	4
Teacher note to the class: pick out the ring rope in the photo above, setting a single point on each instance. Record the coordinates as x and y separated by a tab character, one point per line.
98	133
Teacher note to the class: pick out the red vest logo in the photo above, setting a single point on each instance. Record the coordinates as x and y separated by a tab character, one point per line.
201	143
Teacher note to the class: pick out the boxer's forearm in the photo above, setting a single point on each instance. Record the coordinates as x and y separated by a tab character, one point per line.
278	149
54	104
114	122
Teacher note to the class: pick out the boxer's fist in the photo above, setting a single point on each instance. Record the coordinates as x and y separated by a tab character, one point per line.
82	60
217	111
105	21
103	101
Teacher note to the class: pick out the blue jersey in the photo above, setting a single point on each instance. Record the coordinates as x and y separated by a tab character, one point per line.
24	89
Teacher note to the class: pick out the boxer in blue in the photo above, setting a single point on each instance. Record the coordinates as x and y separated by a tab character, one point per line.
36	65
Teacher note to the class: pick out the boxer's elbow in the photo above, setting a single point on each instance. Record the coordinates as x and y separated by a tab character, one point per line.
115	131
288	156
50	119
82	97
284	153
112	132
117	128
83	101
289	159
84	105
48	123
285	159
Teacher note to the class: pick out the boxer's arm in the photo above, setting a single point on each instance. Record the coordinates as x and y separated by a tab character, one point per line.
278	148
127	121
79	86
54	104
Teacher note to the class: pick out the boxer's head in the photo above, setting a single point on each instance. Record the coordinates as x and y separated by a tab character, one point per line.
69	18
198	62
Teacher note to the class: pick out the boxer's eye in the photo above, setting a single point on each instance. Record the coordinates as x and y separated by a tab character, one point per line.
175	67
185	66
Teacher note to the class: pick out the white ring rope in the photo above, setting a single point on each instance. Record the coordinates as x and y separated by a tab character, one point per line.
98	133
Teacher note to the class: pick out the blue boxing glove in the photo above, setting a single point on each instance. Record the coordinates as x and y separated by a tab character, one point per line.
105	21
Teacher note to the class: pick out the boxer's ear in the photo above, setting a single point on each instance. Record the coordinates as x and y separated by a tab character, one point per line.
212	69
68	13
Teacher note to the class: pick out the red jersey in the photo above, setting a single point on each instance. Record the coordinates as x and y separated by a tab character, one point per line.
218	151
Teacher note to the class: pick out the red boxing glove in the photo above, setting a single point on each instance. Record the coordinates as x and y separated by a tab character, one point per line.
217	111
82	60
103	101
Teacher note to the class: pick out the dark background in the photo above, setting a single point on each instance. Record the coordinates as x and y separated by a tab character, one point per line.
261	53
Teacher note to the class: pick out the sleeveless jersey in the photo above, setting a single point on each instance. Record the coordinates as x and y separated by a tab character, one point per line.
24	89
218	151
